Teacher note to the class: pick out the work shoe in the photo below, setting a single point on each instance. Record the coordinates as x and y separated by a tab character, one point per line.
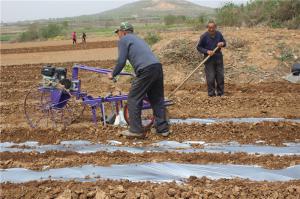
164	134
127	133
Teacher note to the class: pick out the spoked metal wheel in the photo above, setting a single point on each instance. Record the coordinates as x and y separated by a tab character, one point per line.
50	108
75	108
36	107
147	115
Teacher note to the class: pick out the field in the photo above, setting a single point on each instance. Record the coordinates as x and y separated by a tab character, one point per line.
255	157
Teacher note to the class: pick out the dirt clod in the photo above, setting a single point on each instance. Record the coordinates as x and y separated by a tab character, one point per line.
99	194
67	194
172	192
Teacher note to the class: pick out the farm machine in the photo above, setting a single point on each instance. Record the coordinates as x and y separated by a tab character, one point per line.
58	101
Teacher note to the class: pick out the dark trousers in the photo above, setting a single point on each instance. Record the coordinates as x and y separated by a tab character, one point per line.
214	70
149	81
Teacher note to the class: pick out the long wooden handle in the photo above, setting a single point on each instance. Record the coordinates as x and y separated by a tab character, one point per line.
189	76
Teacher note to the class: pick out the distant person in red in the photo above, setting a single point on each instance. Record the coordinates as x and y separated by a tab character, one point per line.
74	38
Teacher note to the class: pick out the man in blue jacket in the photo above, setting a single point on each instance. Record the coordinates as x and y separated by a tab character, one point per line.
148	81
214	67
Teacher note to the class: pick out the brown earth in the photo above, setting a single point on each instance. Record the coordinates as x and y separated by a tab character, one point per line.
276	99
271	133
52	42
254	88
251	55
266	99
59	159
199	188
80	46
78	56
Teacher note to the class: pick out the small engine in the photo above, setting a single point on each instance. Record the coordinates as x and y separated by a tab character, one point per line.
52	76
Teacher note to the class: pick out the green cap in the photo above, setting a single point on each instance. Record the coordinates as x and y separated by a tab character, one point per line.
125	26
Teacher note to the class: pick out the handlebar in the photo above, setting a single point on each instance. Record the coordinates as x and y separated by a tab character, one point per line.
98	70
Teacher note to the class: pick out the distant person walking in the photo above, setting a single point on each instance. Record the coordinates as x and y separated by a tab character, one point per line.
214	67
83	37
74	38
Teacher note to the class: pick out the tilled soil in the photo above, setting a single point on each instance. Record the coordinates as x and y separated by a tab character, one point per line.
264	99
17	80
273	99
268	99
272	133
79	46
58	159
194	188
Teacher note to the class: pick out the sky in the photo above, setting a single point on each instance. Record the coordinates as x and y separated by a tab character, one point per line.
12	10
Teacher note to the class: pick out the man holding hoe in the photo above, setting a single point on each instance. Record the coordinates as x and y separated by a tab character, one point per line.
214	67
148	81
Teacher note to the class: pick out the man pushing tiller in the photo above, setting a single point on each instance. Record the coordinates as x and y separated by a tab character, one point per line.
148	81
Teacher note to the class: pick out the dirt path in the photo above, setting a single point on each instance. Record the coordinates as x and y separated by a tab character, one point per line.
56	159
70	47
59	56
34	44
273	133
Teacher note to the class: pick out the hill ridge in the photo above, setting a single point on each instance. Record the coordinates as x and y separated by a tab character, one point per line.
150	8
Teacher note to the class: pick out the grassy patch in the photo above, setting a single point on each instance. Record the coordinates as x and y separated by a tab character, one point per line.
286	52
8	37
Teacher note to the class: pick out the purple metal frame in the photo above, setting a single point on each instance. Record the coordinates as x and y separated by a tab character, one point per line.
98	102
58	99
78	67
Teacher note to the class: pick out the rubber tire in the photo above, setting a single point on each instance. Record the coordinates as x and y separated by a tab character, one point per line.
126	116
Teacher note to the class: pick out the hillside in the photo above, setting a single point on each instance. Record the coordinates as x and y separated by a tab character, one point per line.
150	8
137	9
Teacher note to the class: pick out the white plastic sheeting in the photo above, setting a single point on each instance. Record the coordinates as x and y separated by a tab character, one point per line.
155	172
82	146
293	78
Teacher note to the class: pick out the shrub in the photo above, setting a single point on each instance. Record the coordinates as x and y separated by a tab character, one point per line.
152	38
172	19
31	34
227	15
236	43
51	30
294	23
65	24
198	23
274	13
181	51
